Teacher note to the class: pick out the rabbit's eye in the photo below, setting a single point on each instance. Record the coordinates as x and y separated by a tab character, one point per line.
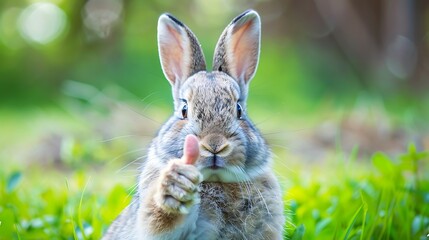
239	111
185	111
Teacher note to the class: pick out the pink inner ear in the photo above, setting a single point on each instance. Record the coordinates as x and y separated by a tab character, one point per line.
244	47
179	50
172	53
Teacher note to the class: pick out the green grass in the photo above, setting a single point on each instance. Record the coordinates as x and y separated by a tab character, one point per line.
388	199
383	199
36	206
341	197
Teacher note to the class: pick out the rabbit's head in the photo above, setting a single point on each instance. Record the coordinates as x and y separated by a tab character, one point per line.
212	104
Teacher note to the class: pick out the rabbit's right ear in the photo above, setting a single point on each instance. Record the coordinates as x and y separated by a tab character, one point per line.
237	51
179	50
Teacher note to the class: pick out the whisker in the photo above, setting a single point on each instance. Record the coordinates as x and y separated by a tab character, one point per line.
147	96
246	183
280	146
278	160
131	190
239	230
125	154
129	108
263	200
287	132
260	194
118	137
128	164
262	121
240	185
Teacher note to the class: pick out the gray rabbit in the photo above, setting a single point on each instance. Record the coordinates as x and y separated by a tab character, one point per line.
208	172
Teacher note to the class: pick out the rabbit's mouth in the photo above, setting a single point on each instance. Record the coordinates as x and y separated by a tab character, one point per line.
215	169
214	162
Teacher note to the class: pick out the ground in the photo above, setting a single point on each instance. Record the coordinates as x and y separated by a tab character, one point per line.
68	172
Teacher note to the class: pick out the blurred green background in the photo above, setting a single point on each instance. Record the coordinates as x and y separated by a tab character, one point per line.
357	64
82	93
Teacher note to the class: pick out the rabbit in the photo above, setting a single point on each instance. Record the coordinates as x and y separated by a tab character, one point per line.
208	171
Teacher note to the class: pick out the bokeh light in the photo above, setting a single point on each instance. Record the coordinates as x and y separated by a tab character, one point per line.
101	15
42	22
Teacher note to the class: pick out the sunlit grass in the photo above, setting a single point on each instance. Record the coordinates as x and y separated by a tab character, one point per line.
79	192
376	199
379	198
48	204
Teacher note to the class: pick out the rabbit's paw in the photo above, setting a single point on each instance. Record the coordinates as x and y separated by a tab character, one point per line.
178	187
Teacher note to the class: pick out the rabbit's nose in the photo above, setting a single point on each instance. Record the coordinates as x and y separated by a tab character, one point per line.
216	144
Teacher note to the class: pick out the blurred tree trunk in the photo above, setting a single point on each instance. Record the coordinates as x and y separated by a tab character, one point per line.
384	41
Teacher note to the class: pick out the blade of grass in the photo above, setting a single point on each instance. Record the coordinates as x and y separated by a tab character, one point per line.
71	213
79	212
298	233
352	222
365	211
17	232
389	219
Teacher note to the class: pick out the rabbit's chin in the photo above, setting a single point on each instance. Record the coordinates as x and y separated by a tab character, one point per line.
228	174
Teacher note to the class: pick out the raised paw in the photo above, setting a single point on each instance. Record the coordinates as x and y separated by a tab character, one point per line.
178	190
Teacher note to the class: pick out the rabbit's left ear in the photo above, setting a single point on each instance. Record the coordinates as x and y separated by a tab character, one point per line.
237	51
179	50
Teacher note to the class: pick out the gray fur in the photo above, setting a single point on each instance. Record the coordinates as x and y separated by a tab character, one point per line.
241	198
